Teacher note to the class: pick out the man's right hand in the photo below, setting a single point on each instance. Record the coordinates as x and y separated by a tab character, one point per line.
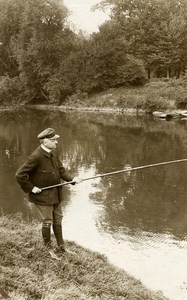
36	190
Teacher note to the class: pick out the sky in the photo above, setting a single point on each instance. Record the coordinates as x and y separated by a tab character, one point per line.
82	17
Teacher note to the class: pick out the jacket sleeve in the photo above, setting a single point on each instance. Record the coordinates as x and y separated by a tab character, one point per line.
22	175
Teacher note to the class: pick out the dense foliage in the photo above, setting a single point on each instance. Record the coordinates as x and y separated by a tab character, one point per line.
156	31
43	61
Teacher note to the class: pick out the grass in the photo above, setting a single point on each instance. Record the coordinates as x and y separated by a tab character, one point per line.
155	95
162	94
27	272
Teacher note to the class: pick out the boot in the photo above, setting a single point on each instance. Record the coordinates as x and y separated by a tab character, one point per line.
59	238
46	233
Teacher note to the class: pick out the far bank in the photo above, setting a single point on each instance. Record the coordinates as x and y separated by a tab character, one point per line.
167	94
164	95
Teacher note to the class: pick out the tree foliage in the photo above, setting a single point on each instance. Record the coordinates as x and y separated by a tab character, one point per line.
38	47
106	62
10	12
156	31
47	61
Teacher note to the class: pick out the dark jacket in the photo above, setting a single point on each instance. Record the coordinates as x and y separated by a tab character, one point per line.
42	169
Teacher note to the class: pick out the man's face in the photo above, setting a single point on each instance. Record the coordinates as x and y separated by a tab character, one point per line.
50	143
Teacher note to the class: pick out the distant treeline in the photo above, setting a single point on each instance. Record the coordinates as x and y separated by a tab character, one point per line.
43	60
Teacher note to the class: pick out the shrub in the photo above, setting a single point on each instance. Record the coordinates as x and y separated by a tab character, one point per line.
10	90
181	103
78	97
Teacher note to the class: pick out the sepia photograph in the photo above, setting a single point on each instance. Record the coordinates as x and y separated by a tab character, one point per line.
93	149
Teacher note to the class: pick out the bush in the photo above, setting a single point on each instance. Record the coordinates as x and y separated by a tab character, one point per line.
78	98
10	90
181	103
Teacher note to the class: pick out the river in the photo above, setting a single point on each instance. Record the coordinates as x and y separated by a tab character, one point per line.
138	219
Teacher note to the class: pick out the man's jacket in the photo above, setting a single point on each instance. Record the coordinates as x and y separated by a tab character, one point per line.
42	169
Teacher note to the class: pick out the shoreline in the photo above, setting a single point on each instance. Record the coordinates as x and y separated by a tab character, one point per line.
125	111
90	109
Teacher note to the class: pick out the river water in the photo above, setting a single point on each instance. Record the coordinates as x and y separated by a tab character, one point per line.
138	219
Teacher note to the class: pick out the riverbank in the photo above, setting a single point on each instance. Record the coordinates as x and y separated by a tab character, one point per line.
28	272
167	95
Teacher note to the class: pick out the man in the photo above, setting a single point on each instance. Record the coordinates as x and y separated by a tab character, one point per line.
41	169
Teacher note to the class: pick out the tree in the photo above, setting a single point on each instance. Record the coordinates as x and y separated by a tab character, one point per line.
106	62
43	41
10	18
156	31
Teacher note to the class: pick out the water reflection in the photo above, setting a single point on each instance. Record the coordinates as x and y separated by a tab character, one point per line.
139	218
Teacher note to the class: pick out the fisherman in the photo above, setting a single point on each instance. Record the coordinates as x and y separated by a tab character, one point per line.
43	168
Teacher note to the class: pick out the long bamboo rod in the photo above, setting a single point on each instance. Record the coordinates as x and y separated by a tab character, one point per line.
117	172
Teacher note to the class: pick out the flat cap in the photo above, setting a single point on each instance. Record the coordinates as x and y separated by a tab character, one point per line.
48	133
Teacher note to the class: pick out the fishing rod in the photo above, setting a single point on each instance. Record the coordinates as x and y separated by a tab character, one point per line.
127	169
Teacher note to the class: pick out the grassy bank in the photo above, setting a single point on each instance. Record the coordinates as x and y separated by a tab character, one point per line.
156	95
162	95
28	272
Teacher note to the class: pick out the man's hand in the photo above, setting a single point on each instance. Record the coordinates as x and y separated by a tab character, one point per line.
77	180
36	190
